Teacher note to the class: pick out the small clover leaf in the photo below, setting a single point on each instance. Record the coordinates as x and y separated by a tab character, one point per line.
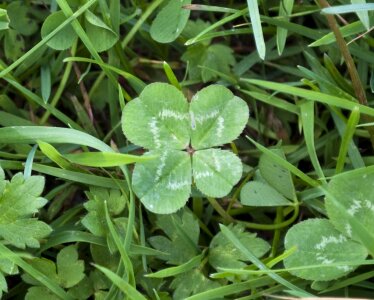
350	205
319	243
162	120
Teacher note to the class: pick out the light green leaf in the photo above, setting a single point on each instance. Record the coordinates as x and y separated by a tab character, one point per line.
158	118
350	205
4	19
19	200
105	159
285	9
100	34
65	38
256	193
277	176
170	21
254	15
224	254
70	269
163	185
216	171
217	117
319	243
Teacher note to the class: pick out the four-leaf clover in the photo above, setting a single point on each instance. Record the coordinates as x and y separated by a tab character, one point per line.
163	121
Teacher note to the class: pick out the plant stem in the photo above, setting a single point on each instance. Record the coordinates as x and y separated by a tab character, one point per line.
356	82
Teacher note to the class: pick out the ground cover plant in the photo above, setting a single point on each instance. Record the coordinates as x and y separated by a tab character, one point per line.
186	150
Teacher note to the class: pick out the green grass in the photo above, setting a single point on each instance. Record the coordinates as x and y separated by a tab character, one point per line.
298	222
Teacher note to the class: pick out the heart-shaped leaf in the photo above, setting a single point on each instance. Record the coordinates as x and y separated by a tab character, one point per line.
216	171
319	243
257	193
217	117
170	21
158	118
163	185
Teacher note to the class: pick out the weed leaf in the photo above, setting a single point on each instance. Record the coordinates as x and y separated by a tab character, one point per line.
224	254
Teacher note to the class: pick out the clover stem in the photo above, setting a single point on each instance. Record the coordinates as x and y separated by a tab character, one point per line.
190	150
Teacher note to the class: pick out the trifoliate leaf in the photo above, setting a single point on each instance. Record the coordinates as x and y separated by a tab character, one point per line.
65	38
217	117
163	185
70	269
257	193
350	205
223	254
182	230
319	243
19	200
191	283
95	220
158	118
216	171
277	176
100	34
170	21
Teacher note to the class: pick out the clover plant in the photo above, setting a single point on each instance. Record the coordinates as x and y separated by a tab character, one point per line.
183	135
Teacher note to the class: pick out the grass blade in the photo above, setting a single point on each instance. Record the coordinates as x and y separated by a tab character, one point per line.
254	15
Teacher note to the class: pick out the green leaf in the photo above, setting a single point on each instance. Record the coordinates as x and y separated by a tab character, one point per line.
95	220
285	9
191	283
217	117
19	200
4	19
65	38
170	21
350	205
158	118
70	269
105	159
319	243
163	185
254	15
257	193
277	176
40	293
202	59
224	254
182	230
19	19
216	171
100	34
14	44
